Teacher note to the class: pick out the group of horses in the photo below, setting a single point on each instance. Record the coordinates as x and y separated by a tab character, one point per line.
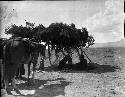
15	52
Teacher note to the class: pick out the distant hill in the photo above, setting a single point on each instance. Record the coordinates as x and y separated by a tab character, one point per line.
120	43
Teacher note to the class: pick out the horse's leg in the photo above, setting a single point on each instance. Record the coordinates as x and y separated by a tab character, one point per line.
33	74
6	79
49	53
7	86
43	62
22	71
34	66
15	87
17	73
41	67
29	72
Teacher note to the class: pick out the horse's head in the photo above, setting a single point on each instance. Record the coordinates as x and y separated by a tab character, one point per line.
37	48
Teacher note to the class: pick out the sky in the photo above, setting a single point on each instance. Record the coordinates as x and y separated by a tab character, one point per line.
104	19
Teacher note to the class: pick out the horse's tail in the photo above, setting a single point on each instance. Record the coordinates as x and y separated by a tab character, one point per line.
2	73
3	65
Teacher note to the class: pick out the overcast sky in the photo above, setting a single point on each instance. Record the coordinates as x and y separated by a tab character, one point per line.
104	19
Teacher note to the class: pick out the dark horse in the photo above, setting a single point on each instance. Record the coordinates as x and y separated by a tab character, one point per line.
35	55
2	44
18	51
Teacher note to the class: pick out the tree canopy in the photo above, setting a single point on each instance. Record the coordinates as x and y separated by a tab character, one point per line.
25	32
59	34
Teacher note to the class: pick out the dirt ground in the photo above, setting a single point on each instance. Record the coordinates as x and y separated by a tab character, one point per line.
103	81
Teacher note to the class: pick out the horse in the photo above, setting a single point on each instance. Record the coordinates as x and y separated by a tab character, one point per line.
18	51
35	55
2	44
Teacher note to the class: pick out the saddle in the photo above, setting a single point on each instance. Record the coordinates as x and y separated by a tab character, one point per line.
26	41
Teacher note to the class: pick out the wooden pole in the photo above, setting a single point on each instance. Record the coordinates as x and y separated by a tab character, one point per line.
78	52
82	51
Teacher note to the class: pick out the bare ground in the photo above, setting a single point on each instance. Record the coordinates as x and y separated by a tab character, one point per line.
103	81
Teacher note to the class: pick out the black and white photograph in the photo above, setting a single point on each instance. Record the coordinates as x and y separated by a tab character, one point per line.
62	48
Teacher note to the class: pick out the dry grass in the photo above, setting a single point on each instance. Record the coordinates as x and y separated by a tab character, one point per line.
104	81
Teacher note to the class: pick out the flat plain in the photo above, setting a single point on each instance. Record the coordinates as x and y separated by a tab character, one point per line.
106	80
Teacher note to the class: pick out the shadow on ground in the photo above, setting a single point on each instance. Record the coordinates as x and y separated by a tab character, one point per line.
91	68
45	88
97	68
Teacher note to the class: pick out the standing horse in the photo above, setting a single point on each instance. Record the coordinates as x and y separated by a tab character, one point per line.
39	49
2	44
18	51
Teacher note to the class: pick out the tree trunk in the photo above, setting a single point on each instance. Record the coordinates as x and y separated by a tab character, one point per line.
70	54
42	63
82	51
49	54
77	49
